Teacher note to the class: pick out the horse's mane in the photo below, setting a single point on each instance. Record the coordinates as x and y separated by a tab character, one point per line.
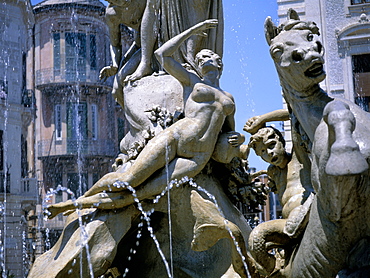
294	24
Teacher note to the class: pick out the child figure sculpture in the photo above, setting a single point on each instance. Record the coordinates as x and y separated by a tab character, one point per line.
284	177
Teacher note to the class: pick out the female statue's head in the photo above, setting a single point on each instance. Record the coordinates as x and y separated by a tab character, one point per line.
207	57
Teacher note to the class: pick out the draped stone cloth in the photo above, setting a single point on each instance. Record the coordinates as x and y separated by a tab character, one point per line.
178	15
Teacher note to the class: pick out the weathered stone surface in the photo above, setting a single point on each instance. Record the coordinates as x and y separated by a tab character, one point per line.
331	128
182	149
140	97
101	232
111	234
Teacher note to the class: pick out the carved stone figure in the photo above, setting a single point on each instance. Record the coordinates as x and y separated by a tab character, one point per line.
210	227
155	22
181	150
188	144
292	189
338	131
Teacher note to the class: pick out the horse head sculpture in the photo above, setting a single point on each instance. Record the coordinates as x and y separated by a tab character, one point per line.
338	227
296	51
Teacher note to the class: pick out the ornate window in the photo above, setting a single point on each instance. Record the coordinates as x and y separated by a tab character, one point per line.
94	122
75	44
58	180
361	80
3	89
56	48
93	64
58	122
4	176
77	183
356	2
77	121
353	46
1	151
80	54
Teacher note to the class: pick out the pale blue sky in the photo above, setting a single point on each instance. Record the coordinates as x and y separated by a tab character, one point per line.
249	74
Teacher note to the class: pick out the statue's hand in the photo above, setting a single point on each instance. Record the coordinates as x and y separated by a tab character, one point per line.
107	72
254	124
51	211
235	139
200	28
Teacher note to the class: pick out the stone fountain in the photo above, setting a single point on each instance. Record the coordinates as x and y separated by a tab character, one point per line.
325	234
182	166
167	210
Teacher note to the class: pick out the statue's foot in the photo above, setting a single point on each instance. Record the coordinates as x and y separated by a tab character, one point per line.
346	159
69	212
118	96
52	211
159	73
141	71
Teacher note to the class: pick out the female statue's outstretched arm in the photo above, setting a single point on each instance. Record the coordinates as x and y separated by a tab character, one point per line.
165	52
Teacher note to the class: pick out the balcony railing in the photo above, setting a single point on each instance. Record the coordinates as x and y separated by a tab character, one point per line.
52	75
74	147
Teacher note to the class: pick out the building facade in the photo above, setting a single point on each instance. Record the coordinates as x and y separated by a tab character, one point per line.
76	129
18	195
345	34
58	121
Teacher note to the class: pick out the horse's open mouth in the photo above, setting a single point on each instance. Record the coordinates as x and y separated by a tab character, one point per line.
316	70
274	159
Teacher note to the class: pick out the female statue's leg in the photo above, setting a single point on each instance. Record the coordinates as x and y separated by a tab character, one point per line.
159	151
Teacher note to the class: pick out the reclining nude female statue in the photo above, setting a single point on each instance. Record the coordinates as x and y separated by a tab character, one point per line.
135	88
183	149
186	146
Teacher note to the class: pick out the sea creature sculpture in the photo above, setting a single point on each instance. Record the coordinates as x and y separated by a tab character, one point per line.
210	227
336	132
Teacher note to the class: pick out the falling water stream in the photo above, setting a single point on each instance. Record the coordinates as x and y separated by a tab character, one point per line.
145	219
4	186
